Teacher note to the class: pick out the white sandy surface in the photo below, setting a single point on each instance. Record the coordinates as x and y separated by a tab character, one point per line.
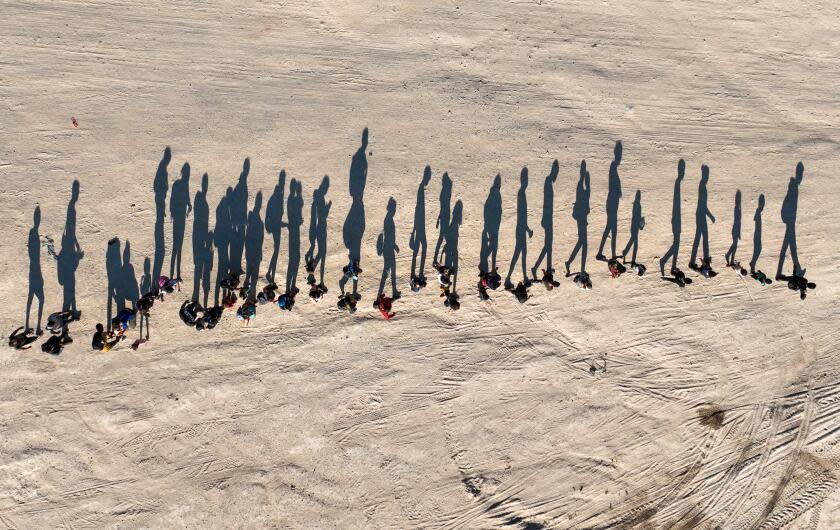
486	417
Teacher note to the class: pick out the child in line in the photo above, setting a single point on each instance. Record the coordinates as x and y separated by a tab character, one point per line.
416	283
246	312
286	301
488	281
678	278
122	321
384	304
582	280
189	312
169	285
443	275
56	322
267	295
317	292
521	292
103	340
451	300
548	279
21	339
212	316
347	302
616	268
56	343
799	283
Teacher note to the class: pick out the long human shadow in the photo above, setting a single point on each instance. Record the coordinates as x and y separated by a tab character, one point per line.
417	240
114	271
736	230
757	234
319	211
36	278
450	254
636	223
490	231
161	187
70	254
789	208
701	214
129	289
580	213
676	221
223	234
294	208
146	281
202	242
179	208
254	237
274	222
238	206
354	225
443	218
387	248
613	198
520	249
547	220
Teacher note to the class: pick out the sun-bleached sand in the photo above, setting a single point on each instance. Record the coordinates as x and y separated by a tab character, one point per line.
634	405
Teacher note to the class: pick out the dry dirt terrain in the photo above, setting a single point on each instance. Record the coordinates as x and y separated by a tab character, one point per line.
634	405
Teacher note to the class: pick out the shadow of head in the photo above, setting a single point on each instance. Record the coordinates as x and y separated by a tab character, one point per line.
681	168
523	177
800	172
704	173
617	152
458	213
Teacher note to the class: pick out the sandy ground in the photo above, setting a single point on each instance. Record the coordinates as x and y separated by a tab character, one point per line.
486	417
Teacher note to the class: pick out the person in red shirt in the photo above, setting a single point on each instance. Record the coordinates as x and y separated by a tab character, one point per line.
384	304
616	268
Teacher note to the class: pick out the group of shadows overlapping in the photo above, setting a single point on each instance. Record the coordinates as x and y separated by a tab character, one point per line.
238	231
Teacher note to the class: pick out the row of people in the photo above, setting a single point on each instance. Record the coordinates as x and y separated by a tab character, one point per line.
195	316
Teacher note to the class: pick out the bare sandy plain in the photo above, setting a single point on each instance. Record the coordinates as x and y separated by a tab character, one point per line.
482	418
